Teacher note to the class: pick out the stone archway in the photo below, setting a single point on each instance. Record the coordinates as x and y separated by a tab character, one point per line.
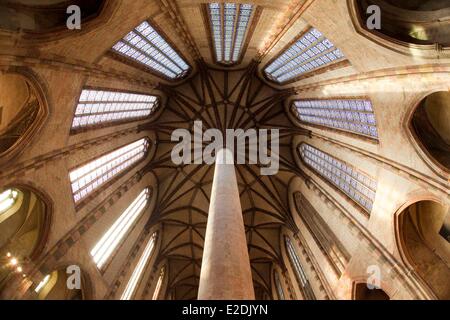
422	230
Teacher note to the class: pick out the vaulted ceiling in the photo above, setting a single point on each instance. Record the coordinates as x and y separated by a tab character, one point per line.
222	100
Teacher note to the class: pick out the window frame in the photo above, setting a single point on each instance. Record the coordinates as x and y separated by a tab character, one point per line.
338	64
361	136
253	22
303	285
75	131
79	205
135	64
153	238
111	256
353	202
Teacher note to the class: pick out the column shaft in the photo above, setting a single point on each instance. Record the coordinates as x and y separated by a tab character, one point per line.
226	272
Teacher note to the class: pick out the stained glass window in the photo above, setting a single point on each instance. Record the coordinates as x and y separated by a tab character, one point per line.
140	268
229	24
146	46
279	287
112	238
354	115
358	186
300	273
100	106
94	174
312	51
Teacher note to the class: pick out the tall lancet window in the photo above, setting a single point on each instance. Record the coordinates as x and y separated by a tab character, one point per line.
299	272
312	51
144	45
229	27
279	287
113	237
139	270
159	284
94	174
353	115
358	186
102	107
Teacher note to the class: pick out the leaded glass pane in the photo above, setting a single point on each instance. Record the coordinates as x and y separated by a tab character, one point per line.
310	52
97	107
358	186
355	115
93	175
145	45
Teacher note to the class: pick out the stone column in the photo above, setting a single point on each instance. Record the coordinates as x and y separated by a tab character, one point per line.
226	272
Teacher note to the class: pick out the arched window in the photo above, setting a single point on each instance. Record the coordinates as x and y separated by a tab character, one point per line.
91	176
356	185
279	287
146	47
362	292
36	16
159	284
352	115
99	107
140	268
229	24
305	286
324	237
430	125
22	112
423	231
24	225
113	237
310	52
416	22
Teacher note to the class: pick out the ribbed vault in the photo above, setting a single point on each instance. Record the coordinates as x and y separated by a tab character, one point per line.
221	99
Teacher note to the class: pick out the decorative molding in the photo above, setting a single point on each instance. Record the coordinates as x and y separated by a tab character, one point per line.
294	11
58	63
171	11
395	73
